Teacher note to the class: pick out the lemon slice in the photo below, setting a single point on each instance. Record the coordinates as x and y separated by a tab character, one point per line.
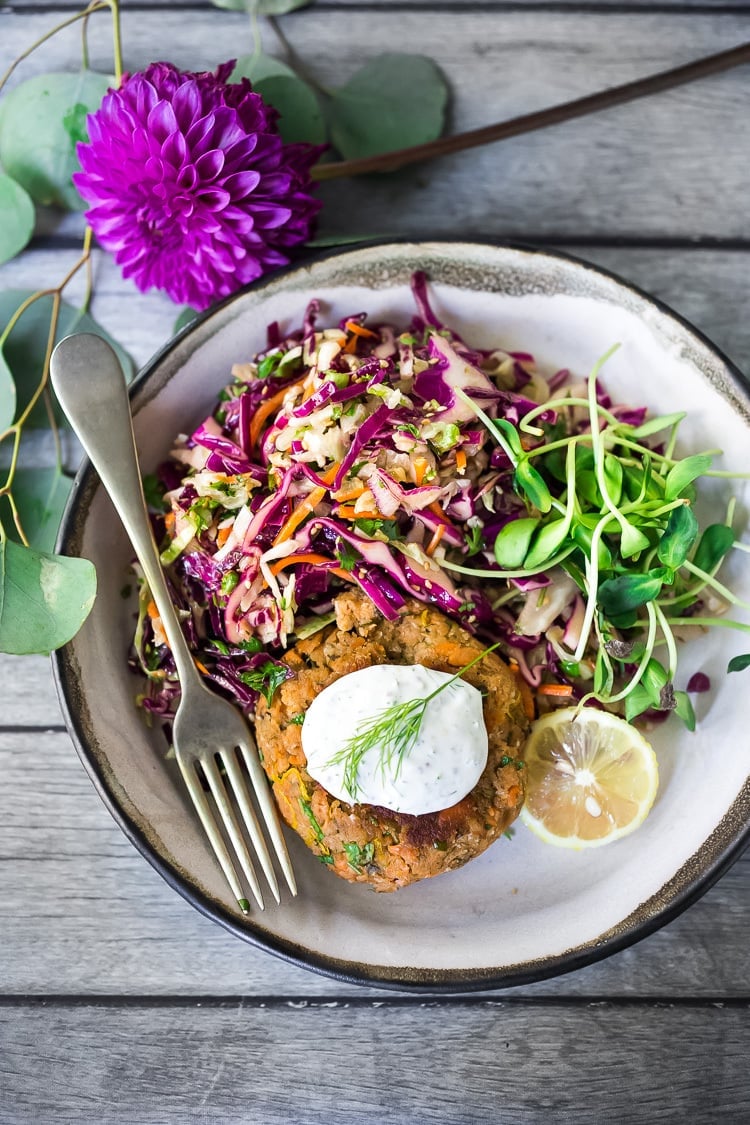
591	778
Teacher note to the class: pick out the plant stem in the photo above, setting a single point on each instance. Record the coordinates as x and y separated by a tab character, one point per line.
96	6
529	122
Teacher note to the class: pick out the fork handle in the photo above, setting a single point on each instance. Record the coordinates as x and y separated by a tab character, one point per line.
89	382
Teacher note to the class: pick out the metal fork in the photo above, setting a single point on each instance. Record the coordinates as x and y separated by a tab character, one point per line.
90	385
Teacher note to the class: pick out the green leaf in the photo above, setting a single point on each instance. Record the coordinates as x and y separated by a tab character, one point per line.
583	536
186	316
512	543
261	7
44	599
16	218
739	663
300	115
679	535
25	347
684	472
547	542
628	592
636	702
714	543
684	708
7	393
40	496
632	541
654	425
655	680
613	477
43	119
531	483
393	102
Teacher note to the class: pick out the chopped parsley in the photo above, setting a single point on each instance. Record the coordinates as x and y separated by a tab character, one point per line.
153	490
347	556
229	581
389	528
265	679
359	857
298	719
474	540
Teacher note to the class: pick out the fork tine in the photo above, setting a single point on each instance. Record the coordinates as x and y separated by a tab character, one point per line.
216	785
231	764
202	807
268	808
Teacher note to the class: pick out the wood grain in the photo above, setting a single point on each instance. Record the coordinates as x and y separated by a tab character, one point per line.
82	912
584	177
461	1063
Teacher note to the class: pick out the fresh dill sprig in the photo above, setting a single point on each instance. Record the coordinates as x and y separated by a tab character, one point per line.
392	732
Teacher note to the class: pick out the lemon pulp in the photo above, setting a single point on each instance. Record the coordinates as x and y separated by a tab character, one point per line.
591	778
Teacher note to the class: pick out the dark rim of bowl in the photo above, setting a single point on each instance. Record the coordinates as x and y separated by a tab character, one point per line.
723	847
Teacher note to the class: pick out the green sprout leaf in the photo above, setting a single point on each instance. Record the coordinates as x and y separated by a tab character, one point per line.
44	598
513	542
678	538
16	218
714	543
43	119
300	114
684	708
627	592
529	481
636	702
684	473
655	425
393	102
739	663
547	542
27	343
632	540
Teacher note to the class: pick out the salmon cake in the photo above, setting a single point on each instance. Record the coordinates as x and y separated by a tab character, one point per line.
366	843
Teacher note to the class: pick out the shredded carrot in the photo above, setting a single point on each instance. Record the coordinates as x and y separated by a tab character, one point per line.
267	408
306	507
295	519
152	611
222	535
439	533
352	492
360	330
201	667
349	512
290	560
460	461
554	689
350	346
420	468
169	521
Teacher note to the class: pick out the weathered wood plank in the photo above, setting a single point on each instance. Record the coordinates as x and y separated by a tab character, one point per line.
391	6
456	1063
584	177
84	913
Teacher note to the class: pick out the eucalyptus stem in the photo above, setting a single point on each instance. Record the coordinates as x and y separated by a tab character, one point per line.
96	6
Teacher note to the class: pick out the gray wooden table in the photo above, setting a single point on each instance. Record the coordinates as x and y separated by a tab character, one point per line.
118	1001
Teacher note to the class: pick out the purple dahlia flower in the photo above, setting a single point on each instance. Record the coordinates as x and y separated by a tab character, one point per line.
189	184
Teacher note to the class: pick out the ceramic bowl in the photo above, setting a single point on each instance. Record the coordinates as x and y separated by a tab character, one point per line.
523	910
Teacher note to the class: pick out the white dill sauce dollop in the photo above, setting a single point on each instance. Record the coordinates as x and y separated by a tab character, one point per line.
443	765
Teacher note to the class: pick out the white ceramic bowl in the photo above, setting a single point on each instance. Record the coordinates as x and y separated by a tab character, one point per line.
523	910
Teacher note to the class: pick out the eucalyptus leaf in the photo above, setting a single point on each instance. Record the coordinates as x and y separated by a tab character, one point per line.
393	102
627	592
678	538
547	542
739	663
186	316
300	115
714	543
27	343
7	394
43	120
512	543
684	473
40	496
16	218
44	598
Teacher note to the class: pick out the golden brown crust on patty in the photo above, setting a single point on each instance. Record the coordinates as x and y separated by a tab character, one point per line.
365	843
